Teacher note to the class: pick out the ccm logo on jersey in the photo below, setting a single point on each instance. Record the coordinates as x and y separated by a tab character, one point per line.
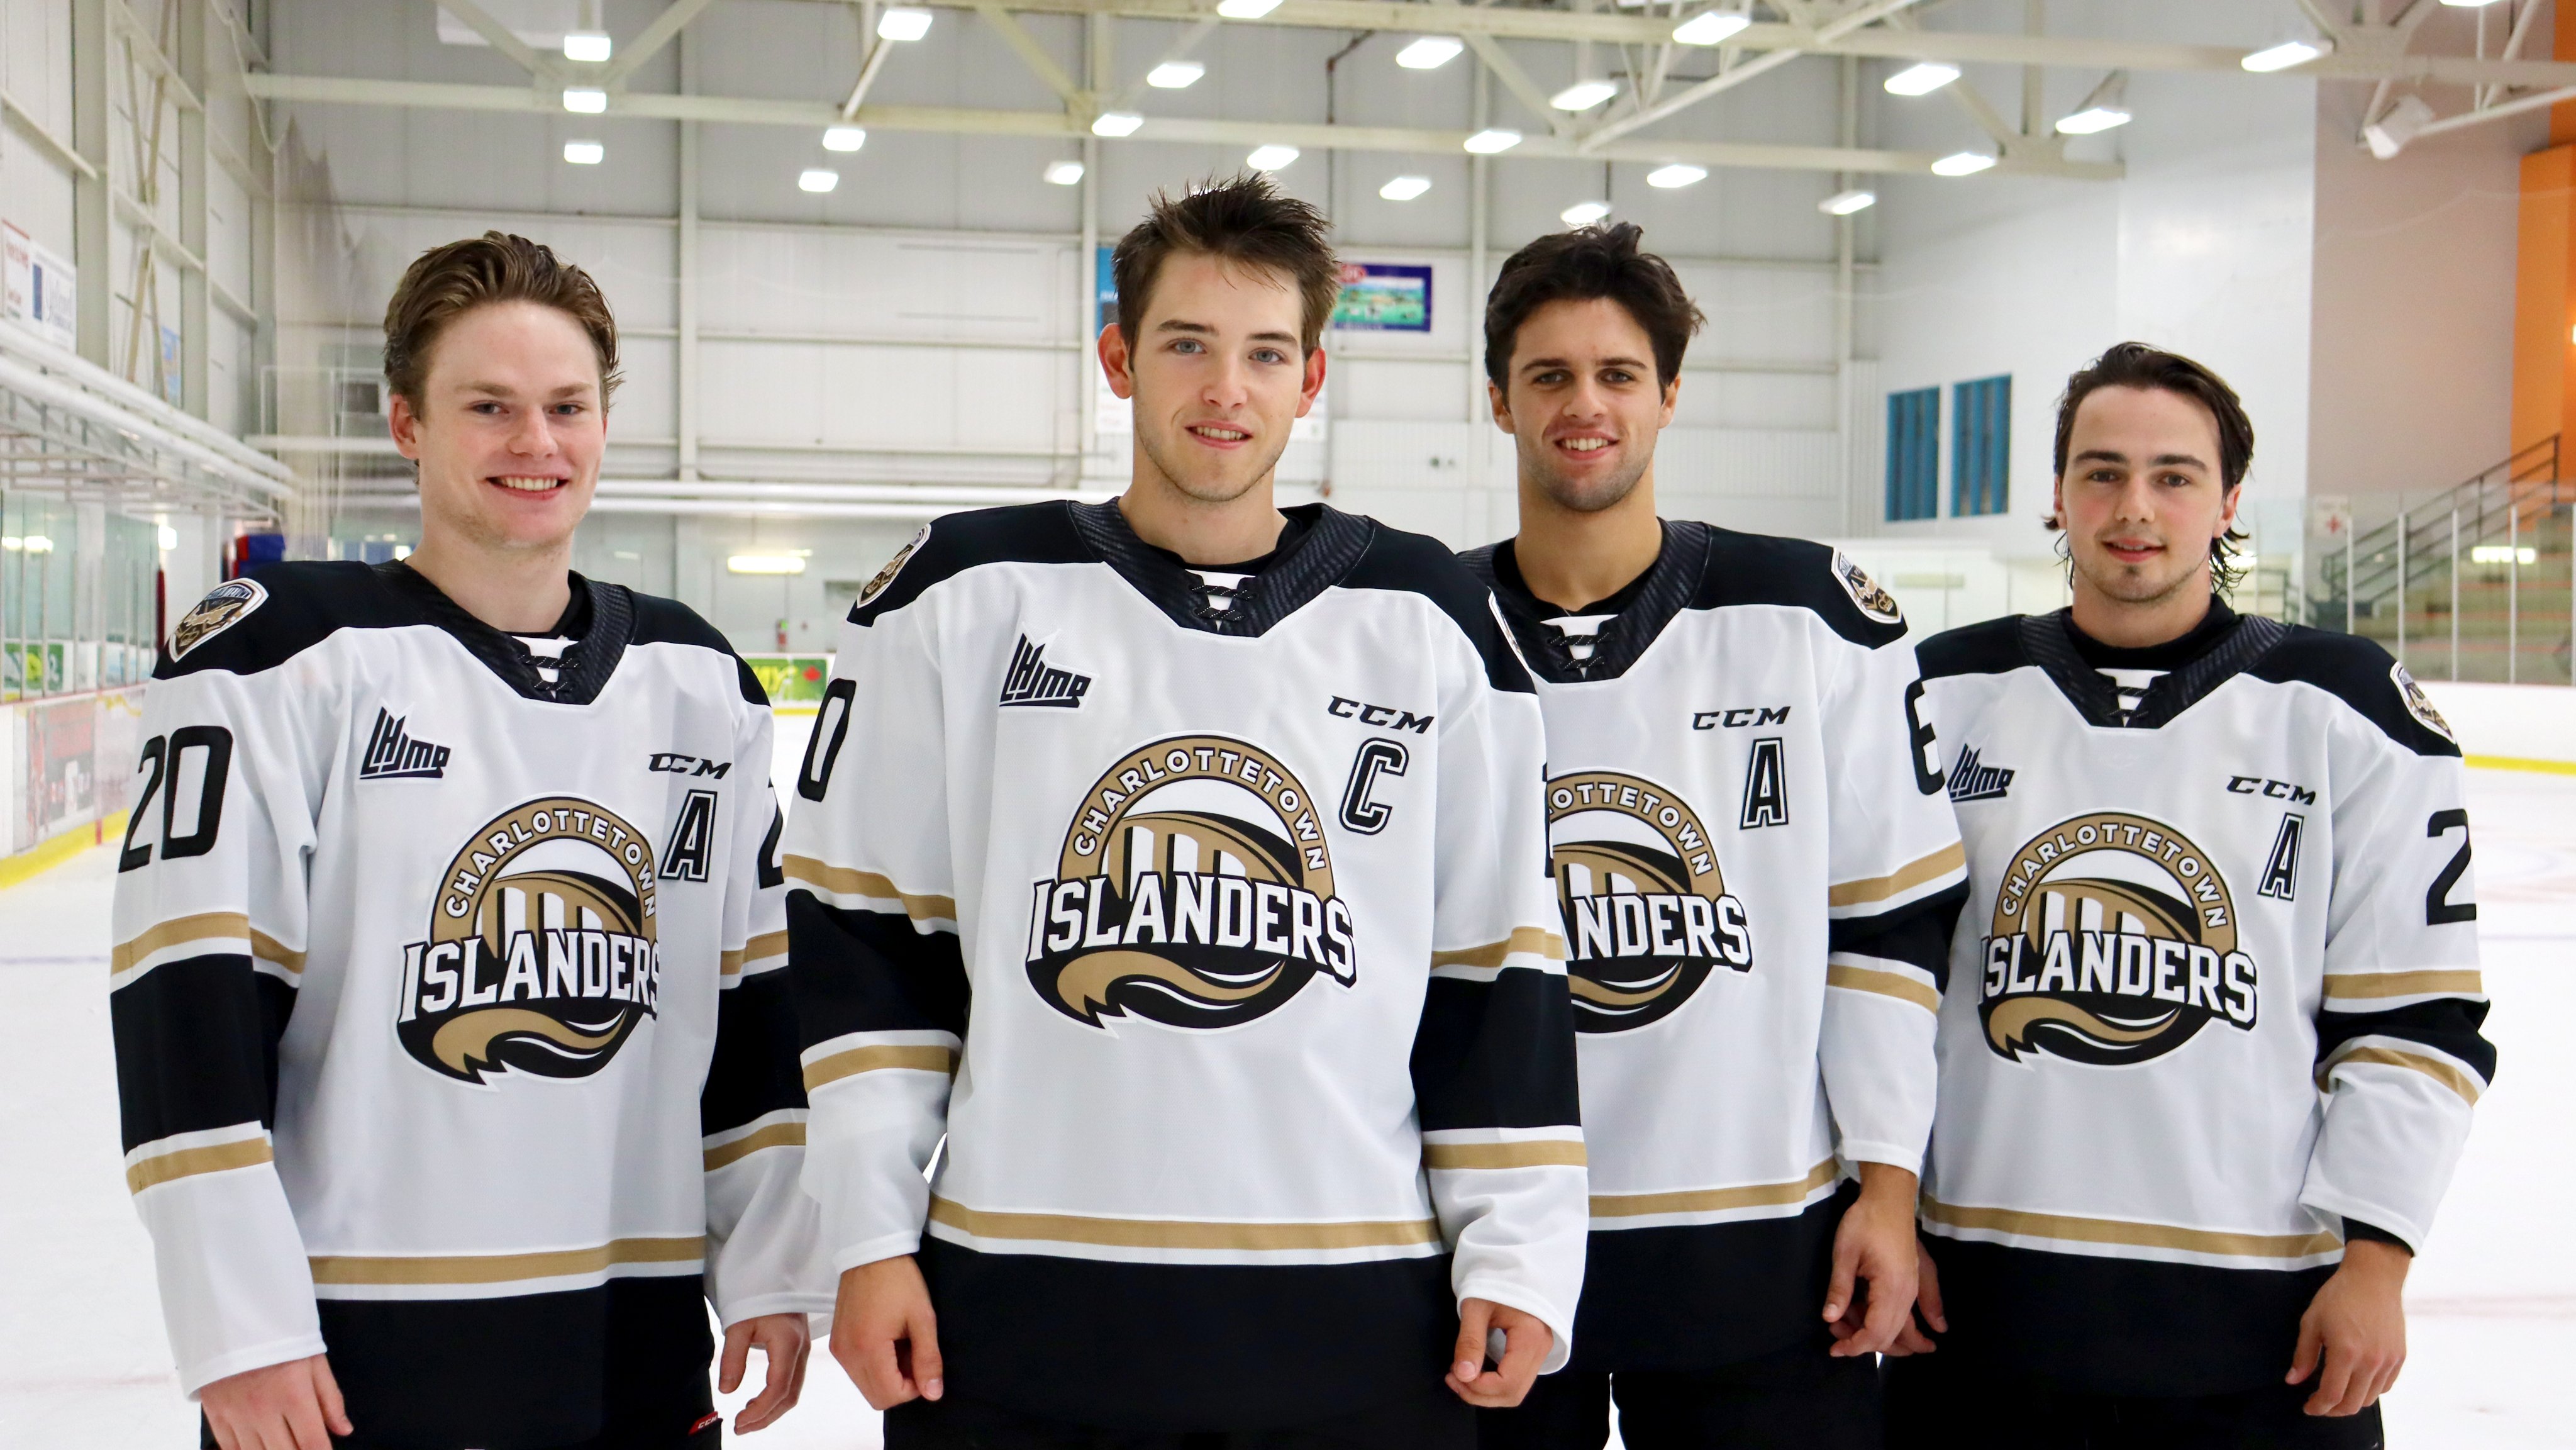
542	955
671	762
2113	941
1647	914
1194	889
1384	717
2279	790
1740	717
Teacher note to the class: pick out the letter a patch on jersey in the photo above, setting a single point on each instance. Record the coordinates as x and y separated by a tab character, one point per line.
1766	786
2281	872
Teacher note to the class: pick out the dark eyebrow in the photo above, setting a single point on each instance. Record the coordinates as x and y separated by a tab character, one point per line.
1201	329
1542	363
2161	460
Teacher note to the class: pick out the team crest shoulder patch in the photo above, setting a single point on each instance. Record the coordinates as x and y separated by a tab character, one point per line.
1867	593
226	605
2420	705
893	566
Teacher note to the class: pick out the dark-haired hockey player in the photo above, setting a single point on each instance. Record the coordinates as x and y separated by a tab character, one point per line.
2212	1029
457	1064
1227	823
1758	875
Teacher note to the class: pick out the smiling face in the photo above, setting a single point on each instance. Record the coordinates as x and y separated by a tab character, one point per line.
1583	403
2142	498
508	431
1217	374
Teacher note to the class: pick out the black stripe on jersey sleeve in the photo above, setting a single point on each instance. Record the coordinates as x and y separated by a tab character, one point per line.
196	1046
2359	673
2448	1024
1028	533
1496	1054
1989	647
304	603
1917	933
754	1070
1762	569
870	971
668	621
1419	564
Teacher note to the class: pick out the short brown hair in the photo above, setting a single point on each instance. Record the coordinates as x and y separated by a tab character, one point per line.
444	283
2136	365
1244	220
1581	265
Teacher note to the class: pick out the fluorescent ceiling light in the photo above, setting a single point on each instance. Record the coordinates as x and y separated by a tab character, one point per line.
2285	55
765	564
2469	4
903	22
1493	139
585	153
169	537
1583	95
1064	173
816	178
1245	9
1711	27
591	46
1116	123
1921	78
1584	213
1680	173
1404	188
1844	203
2092	119
1270	158
1431	52
844	138
1962	163
2478	554
585	100
38	544
1175	75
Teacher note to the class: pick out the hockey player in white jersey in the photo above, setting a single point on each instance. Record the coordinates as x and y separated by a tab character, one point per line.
1227	823
454	1045
2211	1036
1758	874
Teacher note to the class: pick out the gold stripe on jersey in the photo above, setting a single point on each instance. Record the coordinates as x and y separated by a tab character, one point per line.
2366	986
1714	1200
1953	857
188	1162
878	1059
2073	1228
1524	939
759	949
205	926
2466	1085
850	881
504	1268
1885	983
1523	1153
776	1135
1147	1233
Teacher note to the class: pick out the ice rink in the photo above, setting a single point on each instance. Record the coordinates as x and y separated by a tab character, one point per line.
83	1364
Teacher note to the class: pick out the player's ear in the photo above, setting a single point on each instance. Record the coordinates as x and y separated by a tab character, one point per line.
1116	362
1672	398
1502	404
404	423
1314	380
2230	496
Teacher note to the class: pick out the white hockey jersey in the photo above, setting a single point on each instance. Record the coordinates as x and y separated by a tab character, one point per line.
1271	1059
1758	874
452	1037
2215	995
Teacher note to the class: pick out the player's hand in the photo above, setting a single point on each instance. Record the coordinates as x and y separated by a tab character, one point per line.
1912	1339
783	1341
1525	1346
290	1406
2357	1323
884	1334
1875	1245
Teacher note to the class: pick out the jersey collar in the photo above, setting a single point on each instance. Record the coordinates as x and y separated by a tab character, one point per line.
1621	641
2043	638
1333	542
583	669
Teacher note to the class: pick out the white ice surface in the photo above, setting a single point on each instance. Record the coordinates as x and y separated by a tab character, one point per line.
83	1362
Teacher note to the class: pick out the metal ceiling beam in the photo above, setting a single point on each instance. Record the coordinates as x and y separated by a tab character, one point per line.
426	95
1746	70
500	37
1034	55
666	27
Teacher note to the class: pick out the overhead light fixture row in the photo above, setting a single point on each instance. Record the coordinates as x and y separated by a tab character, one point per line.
1583	95
585	100
1962	163
817	179
1430	52
1711	27
1678	174
1584	213
584	153
1064	173
1270	158
1921	79
903	22
2093	120
1404	188
1844	203
1245	9
1116	123
1175	75
844	138
587	46
1493	140
2285	55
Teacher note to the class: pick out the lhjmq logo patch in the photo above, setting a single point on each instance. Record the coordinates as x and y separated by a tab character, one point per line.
223	607
542	954
1194	889
2114	941
1647	914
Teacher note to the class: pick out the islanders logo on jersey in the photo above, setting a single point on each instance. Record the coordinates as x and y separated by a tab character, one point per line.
1194	889
2113	941
541	956
1647	914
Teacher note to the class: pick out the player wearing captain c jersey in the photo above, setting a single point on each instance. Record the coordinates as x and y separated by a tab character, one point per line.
2211	1035
1757	873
